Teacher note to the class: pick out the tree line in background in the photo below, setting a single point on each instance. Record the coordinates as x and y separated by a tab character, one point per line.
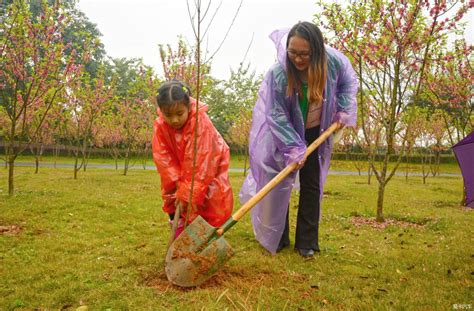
415	85
58	87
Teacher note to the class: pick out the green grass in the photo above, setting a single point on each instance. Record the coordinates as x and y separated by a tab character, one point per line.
100	241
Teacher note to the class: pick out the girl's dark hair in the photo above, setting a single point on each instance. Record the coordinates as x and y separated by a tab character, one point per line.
173	92
317	70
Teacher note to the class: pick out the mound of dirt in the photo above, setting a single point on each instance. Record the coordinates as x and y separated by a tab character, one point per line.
10	230
228	275
370	221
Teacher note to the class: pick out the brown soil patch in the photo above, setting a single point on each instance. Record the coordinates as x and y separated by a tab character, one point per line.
359	221
222	279
10	230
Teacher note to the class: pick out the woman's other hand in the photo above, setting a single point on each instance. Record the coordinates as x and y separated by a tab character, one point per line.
299	165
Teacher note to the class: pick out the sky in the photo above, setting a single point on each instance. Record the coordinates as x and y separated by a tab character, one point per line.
134	29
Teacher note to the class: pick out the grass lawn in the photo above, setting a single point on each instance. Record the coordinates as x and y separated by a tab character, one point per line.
100	241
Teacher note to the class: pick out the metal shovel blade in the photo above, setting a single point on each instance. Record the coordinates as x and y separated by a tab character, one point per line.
196	254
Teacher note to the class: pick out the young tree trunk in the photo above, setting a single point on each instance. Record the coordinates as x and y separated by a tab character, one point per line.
115	155
36	164
76	162
358	164
434	167
55	154
464	196
438	162
77	154
11	167
38	152
407	167
369	174
86	153
381	193
127	161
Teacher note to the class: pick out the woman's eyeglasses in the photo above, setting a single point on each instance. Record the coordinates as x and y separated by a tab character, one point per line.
303	55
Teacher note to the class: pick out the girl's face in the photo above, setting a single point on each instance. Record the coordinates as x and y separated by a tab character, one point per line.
299	53
176	115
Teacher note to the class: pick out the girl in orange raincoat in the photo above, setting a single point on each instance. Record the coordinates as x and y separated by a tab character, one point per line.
173	153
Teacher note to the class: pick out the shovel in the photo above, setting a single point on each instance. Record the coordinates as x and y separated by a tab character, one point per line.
201	250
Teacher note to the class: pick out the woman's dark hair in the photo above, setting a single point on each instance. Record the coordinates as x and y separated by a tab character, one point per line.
173	92
317	70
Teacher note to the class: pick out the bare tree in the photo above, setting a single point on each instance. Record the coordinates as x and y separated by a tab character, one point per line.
201	21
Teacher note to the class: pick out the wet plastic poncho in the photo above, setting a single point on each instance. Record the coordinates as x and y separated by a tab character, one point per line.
173	157
277	136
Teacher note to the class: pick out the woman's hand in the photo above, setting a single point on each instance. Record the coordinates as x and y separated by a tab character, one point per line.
340	126
299	165
337	135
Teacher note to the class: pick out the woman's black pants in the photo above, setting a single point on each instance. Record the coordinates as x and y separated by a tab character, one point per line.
307	221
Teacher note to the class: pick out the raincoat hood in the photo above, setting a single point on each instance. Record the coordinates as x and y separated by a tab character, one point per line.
279	38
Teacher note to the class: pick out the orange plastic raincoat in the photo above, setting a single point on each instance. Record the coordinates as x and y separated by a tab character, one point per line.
173	156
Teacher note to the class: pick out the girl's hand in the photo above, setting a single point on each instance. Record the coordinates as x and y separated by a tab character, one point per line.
179	204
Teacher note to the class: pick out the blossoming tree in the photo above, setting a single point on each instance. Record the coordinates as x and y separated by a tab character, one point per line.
34	72
391	45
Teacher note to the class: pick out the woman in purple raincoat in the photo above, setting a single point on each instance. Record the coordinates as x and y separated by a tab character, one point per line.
311	87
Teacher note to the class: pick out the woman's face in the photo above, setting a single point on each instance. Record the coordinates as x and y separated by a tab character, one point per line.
176	115
299	52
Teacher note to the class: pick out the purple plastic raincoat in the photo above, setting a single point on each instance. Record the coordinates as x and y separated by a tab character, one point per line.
464	151
277	136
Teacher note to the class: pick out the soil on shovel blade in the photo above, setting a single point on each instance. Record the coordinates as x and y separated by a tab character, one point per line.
203	263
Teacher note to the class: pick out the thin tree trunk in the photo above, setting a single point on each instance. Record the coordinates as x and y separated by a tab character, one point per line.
434	167
35	155
36	164
358	164
464	196
76	160
127	161
11	167
407	167
85	155
369	174
125	167
55	153
38	153
380	198
438	163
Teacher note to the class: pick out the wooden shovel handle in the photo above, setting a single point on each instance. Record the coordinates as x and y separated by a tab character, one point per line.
282	175
174	226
